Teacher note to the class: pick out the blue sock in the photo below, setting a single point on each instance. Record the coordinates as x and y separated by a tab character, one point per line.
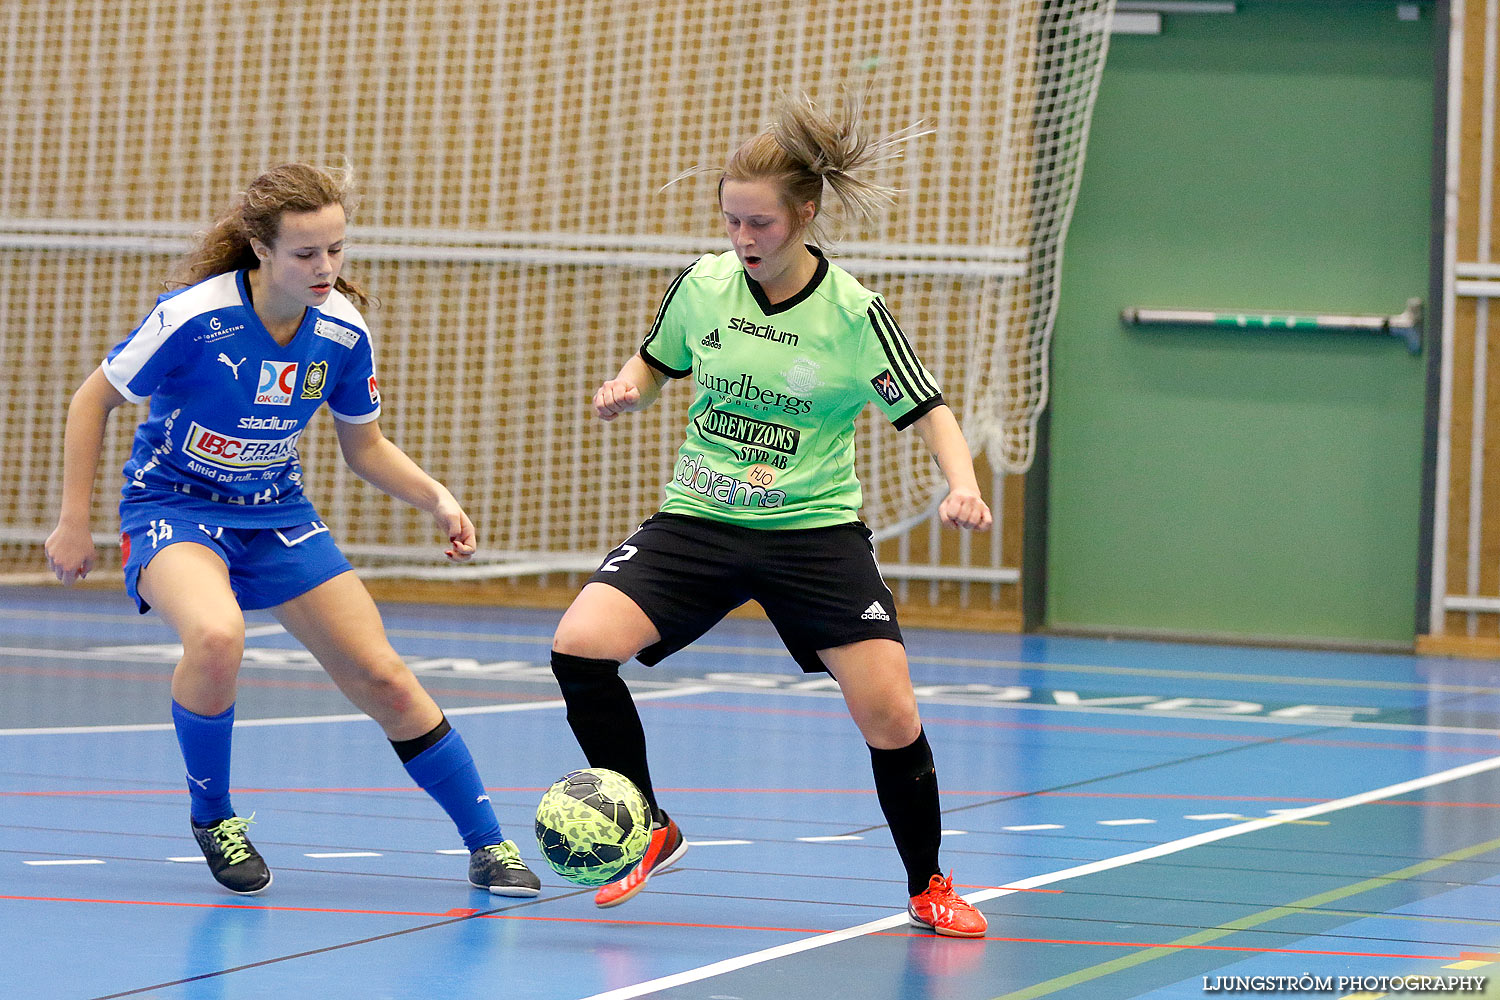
204	740
447	773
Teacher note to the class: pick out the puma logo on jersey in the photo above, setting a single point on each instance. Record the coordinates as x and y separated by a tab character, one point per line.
875	613
234	366
712	340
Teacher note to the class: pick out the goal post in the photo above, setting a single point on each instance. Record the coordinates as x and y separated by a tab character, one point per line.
510	160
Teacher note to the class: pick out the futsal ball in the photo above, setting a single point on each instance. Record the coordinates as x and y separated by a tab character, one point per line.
593	826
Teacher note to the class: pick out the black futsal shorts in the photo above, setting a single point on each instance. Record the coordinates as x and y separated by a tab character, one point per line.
820	587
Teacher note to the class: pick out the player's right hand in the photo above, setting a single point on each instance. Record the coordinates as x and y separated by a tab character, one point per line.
70	553
616	397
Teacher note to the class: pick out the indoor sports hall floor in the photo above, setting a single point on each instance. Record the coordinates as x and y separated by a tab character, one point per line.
1136	819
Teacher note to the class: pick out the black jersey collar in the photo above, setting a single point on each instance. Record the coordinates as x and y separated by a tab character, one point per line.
812	286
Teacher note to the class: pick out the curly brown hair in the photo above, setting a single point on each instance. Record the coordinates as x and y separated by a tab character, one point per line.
256	212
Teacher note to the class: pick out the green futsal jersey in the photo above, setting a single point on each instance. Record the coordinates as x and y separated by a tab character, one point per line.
770	437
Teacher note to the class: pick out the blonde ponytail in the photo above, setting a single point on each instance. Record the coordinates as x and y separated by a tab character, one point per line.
805	146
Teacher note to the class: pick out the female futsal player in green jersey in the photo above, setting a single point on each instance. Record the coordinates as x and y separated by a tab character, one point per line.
784	349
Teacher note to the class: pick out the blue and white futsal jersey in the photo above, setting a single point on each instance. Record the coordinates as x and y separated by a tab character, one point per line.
228	403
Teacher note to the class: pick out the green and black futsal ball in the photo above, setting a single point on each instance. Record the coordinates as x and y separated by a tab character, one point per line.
593	826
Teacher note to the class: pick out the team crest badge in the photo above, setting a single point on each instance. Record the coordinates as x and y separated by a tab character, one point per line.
312	382
802	376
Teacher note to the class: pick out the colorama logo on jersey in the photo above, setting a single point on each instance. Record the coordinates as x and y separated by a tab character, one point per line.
277	380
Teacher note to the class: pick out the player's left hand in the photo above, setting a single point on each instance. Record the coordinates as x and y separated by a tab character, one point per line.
965	509
452	521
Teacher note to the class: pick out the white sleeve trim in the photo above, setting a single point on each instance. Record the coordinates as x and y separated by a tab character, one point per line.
363	418
121	385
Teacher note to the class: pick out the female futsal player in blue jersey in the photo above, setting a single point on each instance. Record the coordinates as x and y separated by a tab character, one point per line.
213	519
785	349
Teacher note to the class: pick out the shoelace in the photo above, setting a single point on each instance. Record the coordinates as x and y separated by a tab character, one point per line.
941	890
507	854
230	836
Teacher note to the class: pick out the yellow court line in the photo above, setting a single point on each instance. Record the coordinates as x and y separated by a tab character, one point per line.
1246	923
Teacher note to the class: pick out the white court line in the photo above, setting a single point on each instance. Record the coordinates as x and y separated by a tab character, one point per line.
749	649
1308	722
89	861
718	843
298	720
342	854
1093	867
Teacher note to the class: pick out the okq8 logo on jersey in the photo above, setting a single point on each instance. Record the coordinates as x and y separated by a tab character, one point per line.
277	380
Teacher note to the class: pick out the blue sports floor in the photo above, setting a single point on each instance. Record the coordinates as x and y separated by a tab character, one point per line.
1136	819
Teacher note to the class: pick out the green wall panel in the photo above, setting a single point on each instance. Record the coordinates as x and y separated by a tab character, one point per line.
1259	485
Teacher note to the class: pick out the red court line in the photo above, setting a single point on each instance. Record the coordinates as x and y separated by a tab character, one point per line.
1230	798
416	913
679	705
248	791
681	790
508	696
1167	945
227	906
261	682
164	677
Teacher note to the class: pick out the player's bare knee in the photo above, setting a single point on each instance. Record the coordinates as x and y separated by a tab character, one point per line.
390	683
588	644
890	727
215	647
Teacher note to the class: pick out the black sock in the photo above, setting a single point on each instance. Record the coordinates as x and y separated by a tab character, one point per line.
409	750
604	720
906	785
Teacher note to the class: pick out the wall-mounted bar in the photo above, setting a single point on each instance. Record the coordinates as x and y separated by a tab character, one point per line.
1407	324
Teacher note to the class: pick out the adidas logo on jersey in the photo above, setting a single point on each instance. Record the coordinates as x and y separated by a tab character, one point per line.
876	612
712	340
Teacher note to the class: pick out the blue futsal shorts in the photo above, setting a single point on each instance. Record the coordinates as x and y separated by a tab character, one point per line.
267	566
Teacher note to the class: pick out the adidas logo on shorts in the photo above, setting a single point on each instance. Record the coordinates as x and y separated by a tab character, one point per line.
876	612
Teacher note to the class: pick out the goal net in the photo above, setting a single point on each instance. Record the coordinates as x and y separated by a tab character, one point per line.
510	159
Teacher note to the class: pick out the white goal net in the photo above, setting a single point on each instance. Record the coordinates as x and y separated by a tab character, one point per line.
510	159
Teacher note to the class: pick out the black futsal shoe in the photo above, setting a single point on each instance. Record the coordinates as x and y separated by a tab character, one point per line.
499	868
233	860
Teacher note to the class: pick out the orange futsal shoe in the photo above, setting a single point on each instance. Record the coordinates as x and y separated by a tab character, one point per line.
666	847
945	911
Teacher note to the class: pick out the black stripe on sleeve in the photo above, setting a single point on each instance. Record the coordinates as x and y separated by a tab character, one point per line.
661	310
903	360
656	363
904	421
